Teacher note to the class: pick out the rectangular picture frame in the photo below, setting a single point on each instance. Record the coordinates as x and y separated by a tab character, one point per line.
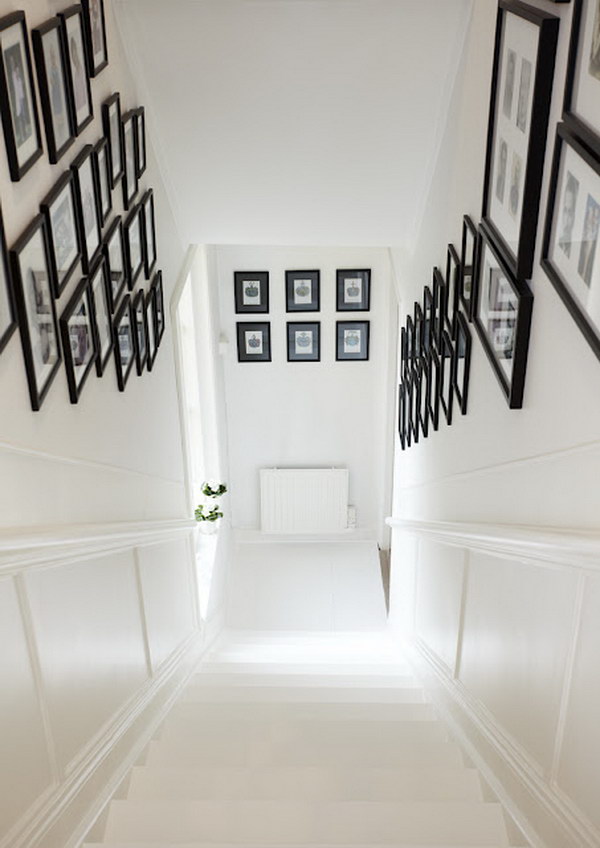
303	291
113	133
88	210
123	329
353	287
95	36
78	82
303	341
140	140
60	210
581	105
253	341
99	287
251	291
462	362
102	167
50	61
452	288
446	382
149	232
141	331
78	338
113	248
468	264
159	306
129	179
352	341
133	237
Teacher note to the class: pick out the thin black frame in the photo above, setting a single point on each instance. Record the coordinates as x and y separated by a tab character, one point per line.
93	70
428	319
291	278
242	277
129	191
439	305
151	322
11	326
115	227
363	274
521	263
99	147
141	162
434	387
418	321
83	291
452	288
574	123
157	285
462	332
263	327
315	328
64	16
412	416
123	375
67	180
468	229
410	341
131	272
37	37
513	389
422	378
18	171
100	267
141	357
113	101
86	153
340	326
402	435
446	361
147	202
403	352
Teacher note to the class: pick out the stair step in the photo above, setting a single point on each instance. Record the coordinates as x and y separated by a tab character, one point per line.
218	691
238	663
192	713
284	822
163	844
305	784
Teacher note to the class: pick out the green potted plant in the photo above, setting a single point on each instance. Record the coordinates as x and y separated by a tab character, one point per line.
208	513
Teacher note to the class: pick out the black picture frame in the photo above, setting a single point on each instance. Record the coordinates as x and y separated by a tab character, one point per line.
101	165
303	341
418	322
253	336
502	316
582	120
462	362
88	211
50	61
149	232
353	287
251	291
574	273
434	387
452	288
428	319
439	306
402	423
8	312
421	380
99	287
352	341
159	306
78	338
21	128
113	132
468	264
133	238
403	352
141	331
151	325
95	36
412	409
512	192
129	179
139	122
78	82
123	331
113	248
36	313
60	210
303	291
446	384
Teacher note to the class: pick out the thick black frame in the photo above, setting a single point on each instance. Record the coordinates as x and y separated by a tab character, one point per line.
141	357
418	323
64	16
412	414
37	37
263	327
291	278
422	378
150	307
428	319
462	331
139	123
340	356
446	361
402	435
67	179
575	124
101	145
564	136
17	171
93	70
83	290
403	352
452	288
410	341
147	203
363	274
10	295
315	326
512	390
114	101
36	394
123	376
434	387
129	192
101	267
159	307
468	229
85	153
241	277
115	227
439	304
521	264
131	272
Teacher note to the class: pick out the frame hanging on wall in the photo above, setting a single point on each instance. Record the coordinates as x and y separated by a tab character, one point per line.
582	91
141	331
446	376
88	212
99	286
251	290
59	208
254	341
353	290
111	120
49	52
302	291
352	340
462	361
468	262
303	341
78	338
80	92
114	253
95	35
124	342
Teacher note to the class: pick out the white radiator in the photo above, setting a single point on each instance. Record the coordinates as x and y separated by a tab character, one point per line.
303	500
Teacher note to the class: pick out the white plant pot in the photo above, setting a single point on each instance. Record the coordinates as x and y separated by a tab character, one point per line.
208	527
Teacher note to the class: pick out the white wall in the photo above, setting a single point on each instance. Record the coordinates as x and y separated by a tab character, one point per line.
511	635
310	414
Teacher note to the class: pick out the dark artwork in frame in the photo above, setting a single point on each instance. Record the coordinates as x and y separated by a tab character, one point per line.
141	331
151	325
502	315
446	385
99	287
522	77
133	238
114	254
101	165
452	287
49	52
31	275
159	306
78	338
88	214
570	254
123	328
111	120
434	385
253	341
59	208
468	263
581	110
8	321
149	232
17	97
139	124
302	291
130	182
352	340
80	92
353	290
251	290
303	341
462	361
95	35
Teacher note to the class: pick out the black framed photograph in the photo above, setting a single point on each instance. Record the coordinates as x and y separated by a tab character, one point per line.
452	287
78	338
149	232
123	328
88	213
412	408
101	165
251	290
303	291
468	261
130	183
159	306
520	100
132	233
17	97
428	319
582	92
446	383
439	306
78	82
99	287
59	208
352	340
353	290
462	361
253	341
48	49
502	317
422	387
8	315
150	306
111	120
114	254
434	387
31	274
418	334
303	341
570	254
402	423
95	35
141	331
139	123
410	341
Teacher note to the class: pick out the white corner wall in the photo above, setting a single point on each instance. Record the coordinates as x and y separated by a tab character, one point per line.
495	545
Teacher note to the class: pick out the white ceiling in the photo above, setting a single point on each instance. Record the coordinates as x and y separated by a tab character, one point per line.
296	121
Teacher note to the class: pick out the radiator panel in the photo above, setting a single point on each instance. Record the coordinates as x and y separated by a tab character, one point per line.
304	500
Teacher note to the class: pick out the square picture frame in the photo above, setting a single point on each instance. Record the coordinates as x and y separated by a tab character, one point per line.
303	341
446	382
462	362
95	36
253	341
99	287
49	53
353	288
141	331
113	248
582	90
303	291
149	232
102	167
159	306
123	329
134	245
113	129
18	103
78	82
129	179
251	291
468	264
78	338
59	208
86	201
352	341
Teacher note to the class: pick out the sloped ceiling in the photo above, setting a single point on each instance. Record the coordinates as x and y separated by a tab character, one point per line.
296	121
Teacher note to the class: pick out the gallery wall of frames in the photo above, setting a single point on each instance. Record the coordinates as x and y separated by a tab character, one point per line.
485	282
94	231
